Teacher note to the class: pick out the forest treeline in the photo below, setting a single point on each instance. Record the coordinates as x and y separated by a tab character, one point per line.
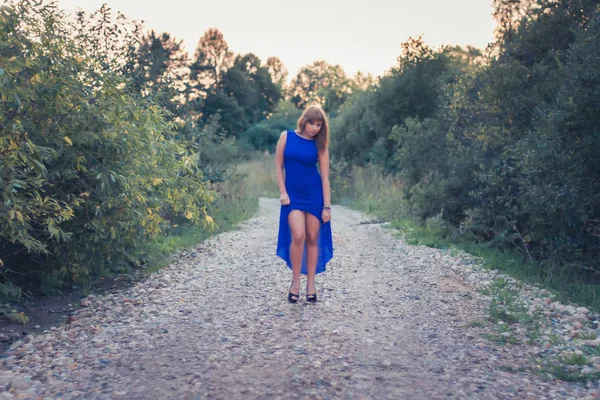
503	146
111	136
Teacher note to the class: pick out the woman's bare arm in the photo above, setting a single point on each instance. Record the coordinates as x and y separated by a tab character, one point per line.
283	196
324	169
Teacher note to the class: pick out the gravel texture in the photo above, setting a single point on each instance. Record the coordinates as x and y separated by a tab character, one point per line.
392	322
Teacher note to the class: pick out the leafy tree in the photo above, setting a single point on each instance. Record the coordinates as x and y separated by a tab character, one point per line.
251	85
561	161
415	88
322	83
211	61
278	71
232	116
160	70
360	81
111	41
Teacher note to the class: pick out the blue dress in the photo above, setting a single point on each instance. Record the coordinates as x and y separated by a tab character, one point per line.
305	189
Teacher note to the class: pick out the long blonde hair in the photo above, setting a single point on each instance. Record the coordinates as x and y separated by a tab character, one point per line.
314	113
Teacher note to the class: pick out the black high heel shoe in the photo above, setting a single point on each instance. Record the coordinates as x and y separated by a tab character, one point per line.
293	297
311	298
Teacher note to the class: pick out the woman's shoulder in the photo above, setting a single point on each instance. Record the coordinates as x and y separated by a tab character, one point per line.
285	134
283	137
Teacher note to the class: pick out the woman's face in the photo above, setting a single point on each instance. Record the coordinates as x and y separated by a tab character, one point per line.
313	127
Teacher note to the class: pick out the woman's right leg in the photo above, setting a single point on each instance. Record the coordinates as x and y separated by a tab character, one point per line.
296	220
313	225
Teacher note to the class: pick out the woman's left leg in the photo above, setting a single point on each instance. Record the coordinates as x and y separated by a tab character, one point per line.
313	225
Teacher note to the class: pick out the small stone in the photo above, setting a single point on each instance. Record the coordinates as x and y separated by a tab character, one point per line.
20	383
25	396
580	317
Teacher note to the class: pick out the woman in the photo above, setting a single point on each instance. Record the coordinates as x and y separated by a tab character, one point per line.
304	241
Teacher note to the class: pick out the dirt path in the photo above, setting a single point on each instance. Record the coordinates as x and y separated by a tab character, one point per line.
390	323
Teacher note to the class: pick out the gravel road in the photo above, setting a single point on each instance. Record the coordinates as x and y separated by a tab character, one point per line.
391	323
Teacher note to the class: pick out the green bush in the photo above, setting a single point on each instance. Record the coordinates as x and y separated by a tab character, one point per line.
88	169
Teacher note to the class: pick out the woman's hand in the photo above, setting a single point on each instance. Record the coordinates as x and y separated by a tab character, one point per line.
284	199
326	215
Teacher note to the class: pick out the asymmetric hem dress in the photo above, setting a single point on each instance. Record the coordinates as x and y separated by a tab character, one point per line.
305	189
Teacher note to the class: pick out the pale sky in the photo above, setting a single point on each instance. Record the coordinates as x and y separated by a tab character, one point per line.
359	35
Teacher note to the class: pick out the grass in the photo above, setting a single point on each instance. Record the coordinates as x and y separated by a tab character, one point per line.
587	335
476	324
499	338
563	374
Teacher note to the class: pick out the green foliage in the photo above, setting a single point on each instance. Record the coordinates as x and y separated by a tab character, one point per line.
158	72
236	200
354	129
242	90
13	315
321	83
560	161
502	149
217	151
250	83
264	135
412	90
89	168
